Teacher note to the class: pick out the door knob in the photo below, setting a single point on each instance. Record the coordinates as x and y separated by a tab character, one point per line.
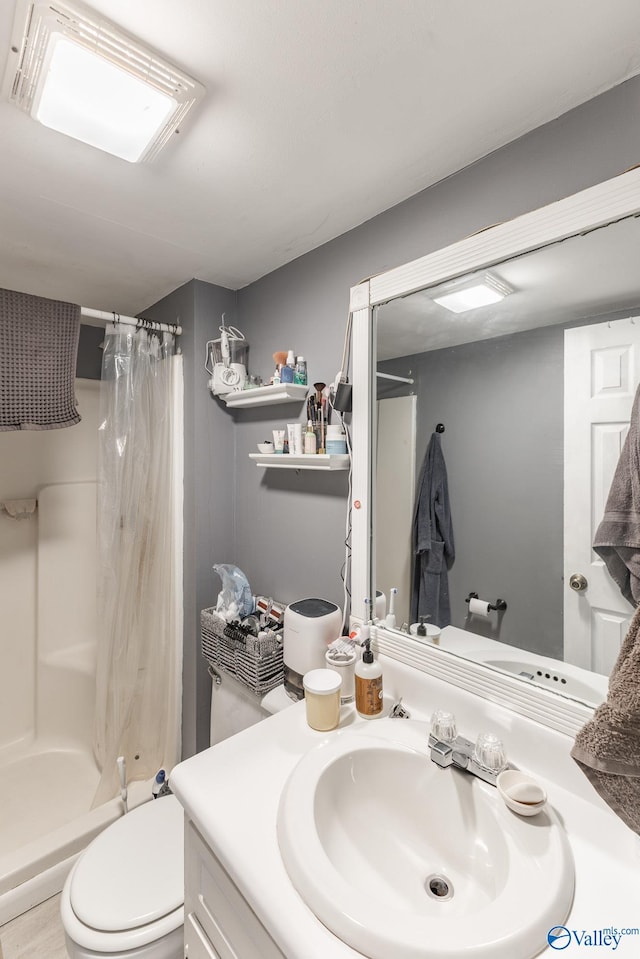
578	582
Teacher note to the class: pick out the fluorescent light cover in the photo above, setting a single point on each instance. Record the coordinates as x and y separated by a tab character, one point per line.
472	293
470	299
93	100
79	74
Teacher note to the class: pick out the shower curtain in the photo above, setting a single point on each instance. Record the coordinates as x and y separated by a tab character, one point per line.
138	671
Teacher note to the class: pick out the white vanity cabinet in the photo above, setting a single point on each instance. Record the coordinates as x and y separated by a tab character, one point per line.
218	922
240	902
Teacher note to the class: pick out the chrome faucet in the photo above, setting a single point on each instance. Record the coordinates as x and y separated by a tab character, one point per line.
485	758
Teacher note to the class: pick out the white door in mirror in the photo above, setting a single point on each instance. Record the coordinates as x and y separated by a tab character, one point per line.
602	372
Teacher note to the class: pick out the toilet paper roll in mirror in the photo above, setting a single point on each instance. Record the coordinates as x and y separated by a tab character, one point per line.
478	606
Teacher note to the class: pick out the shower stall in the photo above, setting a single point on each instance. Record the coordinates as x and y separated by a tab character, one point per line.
52	800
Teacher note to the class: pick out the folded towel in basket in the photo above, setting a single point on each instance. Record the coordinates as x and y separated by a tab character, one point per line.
38	351
607	748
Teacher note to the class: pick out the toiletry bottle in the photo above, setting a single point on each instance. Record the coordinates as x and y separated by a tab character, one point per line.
300	375
287	371
368	685
276	376
390	620
309	439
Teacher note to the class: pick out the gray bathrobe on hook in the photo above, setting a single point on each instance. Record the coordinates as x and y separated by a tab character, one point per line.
433	546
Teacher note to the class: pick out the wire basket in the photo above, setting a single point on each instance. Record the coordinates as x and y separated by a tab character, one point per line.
255	661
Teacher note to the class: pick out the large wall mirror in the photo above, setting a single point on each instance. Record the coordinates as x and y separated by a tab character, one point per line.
531	396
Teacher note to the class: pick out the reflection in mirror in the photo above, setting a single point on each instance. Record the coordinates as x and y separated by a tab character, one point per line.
535	393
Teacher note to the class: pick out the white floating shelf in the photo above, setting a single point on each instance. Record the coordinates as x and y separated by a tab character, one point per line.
315	461
268	395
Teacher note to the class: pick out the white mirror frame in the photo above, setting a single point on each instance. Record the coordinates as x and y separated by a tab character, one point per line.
585	211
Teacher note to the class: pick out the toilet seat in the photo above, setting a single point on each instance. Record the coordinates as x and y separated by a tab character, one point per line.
127	889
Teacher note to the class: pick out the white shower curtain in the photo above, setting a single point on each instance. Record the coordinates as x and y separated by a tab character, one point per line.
138	672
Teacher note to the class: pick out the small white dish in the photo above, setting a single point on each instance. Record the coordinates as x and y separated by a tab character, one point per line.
522	794
265	448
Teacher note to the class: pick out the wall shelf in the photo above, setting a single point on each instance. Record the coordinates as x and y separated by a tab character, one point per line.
267	395
315	461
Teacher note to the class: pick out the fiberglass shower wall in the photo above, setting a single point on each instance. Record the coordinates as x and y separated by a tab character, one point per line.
47	579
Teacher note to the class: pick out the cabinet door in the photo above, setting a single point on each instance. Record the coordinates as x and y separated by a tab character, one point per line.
217	912
196	944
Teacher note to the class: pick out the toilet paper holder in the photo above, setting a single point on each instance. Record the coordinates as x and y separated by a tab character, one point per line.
499	605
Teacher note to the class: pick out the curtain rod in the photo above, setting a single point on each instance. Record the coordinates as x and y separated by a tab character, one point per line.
131	321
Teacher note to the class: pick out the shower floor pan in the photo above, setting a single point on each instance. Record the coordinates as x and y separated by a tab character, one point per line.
47	819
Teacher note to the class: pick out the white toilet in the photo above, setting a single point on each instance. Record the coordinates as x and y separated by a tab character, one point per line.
125	893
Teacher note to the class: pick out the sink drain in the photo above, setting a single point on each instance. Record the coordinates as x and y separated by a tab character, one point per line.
438	887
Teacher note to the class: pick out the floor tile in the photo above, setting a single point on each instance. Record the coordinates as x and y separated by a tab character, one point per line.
38	934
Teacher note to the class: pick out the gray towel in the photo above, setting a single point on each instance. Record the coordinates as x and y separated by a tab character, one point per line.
617	538
607	748
38	352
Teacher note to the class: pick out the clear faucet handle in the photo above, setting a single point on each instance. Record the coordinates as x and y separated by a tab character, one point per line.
489	752
443	726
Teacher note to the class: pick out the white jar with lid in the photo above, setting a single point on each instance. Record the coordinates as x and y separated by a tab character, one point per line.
322	698
336	441
343	662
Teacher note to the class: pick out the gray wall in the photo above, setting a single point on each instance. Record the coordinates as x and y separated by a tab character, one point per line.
208	487
288	530
501	402
89	361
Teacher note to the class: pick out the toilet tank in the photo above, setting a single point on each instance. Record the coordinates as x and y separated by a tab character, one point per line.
234	707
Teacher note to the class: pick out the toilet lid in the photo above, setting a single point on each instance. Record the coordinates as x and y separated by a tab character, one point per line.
132	874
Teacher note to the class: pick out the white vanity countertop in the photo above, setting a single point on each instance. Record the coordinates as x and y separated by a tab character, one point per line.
232	791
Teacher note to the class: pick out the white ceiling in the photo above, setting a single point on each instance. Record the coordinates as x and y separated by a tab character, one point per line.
583	276
318	115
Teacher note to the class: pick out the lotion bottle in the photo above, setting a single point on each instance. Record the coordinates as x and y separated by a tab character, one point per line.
368	677
309	439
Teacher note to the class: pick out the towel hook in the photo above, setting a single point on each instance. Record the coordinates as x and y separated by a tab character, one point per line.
440	428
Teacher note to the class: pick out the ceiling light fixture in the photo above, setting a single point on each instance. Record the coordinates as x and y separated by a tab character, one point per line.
472	293
81	75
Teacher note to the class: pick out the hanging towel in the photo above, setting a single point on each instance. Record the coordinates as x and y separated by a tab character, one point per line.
38	351
607	748
433	545
617	539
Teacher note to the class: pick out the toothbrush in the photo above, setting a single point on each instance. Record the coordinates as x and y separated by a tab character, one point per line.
390	621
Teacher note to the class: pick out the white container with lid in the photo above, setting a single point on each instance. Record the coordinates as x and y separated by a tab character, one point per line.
336	441
322	698
343	662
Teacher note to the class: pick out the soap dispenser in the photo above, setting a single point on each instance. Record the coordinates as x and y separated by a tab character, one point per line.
368	678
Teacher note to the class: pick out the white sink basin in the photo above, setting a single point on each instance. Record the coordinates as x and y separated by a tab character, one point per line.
402	859
590	688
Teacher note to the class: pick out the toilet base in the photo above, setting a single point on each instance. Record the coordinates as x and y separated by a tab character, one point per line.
169	947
